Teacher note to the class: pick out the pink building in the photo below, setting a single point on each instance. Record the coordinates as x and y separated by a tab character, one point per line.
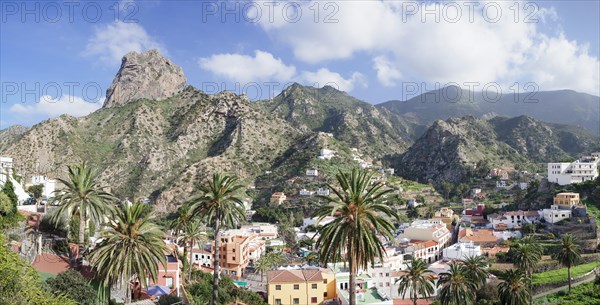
169	276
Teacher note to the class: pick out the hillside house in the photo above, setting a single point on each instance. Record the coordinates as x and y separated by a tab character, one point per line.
278	198
323	191
581	170
554	214
312	172
305	192
512	219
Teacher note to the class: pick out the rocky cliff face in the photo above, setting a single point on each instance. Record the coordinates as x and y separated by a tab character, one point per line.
146	75
374	131
451	150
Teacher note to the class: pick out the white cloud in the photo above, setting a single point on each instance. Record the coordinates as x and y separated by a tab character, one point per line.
49	107
263	66
572	67
471	47
111	41
387	73
324	77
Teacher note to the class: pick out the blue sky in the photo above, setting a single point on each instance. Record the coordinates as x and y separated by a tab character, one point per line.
371	49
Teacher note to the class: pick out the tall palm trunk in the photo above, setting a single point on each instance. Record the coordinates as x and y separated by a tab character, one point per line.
81	233
215	300
352	281
569	275
190	263
414	295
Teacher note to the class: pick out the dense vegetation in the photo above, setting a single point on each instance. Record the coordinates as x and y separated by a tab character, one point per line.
201	290
20	283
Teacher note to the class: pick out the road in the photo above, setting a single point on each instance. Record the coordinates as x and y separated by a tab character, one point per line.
555	290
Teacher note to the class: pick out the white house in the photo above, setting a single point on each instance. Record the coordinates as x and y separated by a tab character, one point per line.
523	185
312	172
326	154
475	191
305	192
462	250
584	169
501	184
6	165
509	220
429	251
48	184
425	230
323	191
554	214
505	235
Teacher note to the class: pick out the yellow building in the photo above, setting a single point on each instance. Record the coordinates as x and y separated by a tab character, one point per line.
278	198
300	287
446	215
566	200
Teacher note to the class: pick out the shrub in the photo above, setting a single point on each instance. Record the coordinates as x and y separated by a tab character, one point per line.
73	285
168	299
20	284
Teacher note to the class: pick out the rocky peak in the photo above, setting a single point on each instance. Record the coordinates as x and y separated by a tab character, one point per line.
146	75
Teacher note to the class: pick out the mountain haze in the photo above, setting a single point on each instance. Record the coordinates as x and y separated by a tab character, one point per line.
563	106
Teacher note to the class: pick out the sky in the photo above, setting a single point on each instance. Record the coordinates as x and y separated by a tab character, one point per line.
60	57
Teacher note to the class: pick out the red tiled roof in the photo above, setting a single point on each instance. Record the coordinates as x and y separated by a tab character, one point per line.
293	276
425	243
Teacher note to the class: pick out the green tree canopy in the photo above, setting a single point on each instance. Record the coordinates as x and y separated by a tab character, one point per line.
20	283
73	285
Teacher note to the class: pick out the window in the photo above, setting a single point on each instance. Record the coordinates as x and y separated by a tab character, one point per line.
313	300
296	301
314	286
296	287
325	294
324	281
277	301
169	282
277	287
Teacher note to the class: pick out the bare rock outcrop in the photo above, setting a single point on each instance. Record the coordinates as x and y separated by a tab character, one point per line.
146	75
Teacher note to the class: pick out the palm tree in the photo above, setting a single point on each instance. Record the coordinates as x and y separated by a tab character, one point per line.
183	218
514	288
84	197
569	254
418	279
360	217
218	203
477	270
132	246
526	254
456	287
192	233
262	265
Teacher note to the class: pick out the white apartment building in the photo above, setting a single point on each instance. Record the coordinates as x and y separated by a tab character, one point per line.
6	165
323	191
424	230
554	214
509	220
49	185
326	154
305	192
429	251
584	169
461	251
312	172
